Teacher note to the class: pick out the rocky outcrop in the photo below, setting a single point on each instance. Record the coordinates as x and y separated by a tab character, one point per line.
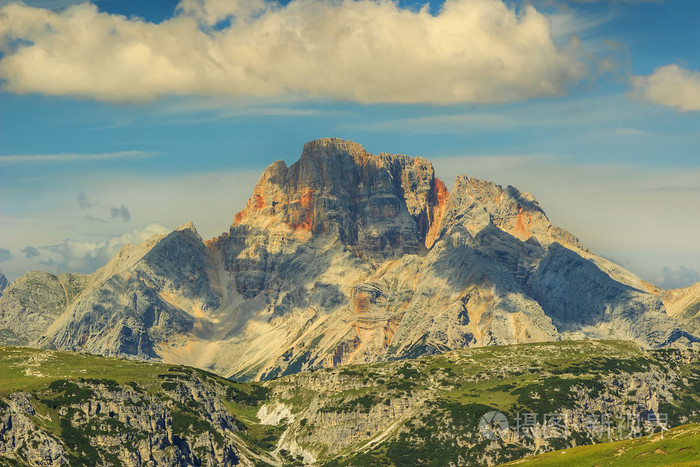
105	423
18	434
428	410
599	306
379	207
347	257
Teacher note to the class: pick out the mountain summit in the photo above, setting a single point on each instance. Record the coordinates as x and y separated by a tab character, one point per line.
345	257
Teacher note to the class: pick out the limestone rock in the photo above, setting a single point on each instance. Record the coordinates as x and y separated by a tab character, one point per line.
684	306
347	257
29	306
146	295
126	424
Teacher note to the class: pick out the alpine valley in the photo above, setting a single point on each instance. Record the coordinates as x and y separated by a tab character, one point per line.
343	259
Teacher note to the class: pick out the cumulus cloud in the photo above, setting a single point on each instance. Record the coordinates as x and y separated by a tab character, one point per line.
30	252
675	278
120	213
5	254
557	2
86	257
672	86
371	51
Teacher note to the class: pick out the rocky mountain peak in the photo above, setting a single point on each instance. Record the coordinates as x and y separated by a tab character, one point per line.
476	204
332	147
338	188
188	227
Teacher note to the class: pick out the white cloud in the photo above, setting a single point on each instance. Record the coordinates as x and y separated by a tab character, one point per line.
86	257
672	86
33	158
360	50
52	215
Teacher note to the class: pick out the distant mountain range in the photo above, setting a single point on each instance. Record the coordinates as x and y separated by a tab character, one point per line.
348	257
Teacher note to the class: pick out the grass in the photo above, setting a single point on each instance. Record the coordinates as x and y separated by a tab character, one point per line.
56	380
26	369
448	393
678	446
462	385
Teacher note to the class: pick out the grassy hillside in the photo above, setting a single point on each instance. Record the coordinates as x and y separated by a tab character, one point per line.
425	411
182	406
679	447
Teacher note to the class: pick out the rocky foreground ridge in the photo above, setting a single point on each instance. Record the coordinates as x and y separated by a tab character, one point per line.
344	257
60	408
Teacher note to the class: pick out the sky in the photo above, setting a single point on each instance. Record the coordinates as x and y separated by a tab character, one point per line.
122	119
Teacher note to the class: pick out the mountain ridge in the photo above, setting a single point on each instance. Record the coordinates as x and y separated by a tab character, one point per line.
347	257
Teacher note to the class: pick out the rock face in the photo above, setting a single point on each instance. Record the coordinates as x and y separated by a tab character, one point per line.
347	257
179	422
18	429
684	306
32	303
148	293
397	413
3	283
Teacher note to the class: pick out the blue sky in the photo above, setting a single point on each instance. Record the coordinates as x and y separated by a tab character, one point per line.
128	118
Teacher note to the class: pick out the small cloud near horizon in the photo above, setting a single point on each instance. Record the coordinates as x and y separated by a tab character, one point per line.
677	278
83	201
120	213
5	254
73	157
85	257
30	252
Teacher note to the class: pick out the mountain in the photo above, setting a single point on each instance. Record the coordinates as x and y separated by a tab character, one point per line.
684	305
344	257
33	302
65	408
3	283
